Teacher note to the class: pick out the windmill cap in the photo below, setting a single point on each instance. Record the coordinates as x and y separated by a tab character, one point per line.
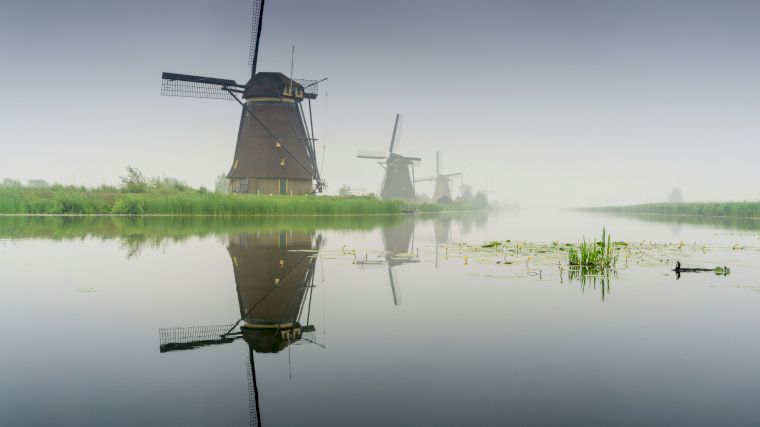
266	84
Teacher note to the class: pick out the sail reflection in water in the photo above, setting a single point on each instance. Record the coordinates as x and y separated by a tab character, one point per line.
398	240
274	277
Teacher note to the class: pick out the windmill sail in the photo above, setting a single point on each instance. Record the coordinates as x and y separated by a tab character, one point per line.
256	23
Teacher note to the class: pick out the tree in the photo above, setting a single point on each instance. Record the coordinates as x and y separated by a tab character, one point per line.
7	182
222	185
345	190
481	200
37	183
134	181
675	196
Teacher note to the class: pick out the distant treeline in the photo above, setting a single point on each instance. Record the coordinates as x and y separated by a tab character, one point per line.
714	209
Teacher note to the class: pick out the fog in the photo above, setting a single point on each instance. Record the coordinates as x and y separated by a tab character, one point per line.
545	103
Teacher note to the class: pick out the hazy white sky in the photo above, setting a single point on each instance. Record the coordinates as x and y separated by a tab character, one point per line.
561	103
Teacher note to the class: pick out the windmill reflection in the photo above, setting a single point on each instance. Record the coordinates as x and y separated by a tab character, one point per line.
442	233
398	240
274	277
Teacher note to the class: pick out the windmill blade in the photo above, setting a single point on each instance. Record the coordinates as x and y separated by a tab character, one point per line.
253	54
414	159
432	178
452	174
174	339
396	134
372	155
395	289
188	86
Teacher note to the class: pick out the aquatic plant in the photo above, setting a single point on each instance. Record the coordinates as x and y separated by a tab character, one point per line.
595	255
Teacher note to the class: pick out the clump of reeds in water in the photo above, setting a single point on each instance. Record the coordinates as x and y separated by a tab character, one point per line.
596	256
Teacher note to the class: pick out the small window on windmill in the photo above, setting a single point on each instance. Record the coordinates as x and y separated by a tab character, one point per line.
282	161
277	144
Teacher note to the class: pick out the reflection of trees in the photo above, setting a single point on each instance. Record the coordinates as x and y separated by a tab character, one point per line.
137	233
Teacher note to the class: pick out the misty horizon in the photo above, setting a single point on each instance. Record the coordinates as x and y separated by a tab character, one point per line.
545	103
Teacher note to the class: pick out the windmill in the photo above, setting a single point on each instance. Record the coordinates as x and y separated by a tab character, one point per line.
399	170
274	275
275	152
442	192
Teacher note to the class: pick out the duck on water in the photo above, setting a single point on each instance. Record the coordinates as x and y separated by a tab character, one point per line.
717	270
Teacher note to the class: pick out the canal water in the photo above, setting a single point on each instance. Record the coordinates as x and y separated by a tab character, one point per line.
377	321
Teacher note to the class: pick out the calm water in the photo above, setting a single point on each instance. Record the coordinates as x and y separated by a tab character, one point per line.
373	322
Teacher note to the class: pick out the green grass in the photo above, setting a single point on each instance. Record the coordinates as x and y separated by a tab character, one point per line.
712	209
60	200
594	256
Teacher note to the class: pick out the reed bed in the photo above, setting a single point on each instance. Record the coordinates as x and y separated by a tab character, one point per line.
73	201
593	256
713	209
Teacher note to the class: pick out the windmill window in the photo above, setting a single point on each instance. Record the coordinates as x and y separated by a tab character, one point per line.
277	144
282	161
244	185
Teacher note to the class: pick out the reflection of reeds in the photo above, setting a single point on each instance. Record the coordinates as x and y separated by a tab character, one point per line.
586	278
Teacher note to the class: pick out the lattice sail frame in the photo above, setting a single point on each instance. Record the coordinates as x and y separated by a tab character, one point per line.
193	337
187	86
255	19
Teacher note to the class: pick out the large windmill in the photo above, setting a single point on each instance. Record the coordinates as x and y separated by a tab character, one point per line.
275	152
399	170
274	276
442	192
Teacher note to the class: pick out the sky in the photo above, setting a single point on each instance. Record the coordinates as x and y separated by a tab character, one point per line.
543	103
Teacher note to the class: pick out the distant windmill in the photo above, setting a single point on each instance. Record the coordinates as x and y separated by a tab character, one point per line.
275	151
399	172
442	182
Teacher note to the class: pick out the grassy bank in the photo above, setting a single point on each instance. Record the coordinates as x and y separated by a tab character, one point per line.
716	209
80	201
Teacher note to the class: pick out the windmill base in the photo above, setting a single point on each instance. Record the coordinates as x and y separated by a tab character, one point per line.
271	186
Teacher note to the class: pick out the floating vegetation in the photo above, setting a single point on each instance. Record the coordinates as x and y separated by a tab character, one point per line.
722	271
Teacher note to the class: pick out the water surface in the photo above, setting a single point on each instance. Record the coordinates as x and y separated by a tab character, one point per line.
373	321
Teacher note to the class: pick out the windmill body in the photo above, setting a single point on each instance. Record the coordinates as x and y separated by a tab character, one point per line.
398	182
273	272
272	155
275	152
442	191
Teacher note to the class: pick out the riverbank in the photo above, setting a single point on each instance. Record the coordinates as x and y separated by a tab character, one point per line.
78	201
709	209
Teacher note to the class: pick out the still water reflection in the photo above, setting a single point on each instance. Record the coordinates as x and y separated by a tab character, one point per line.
116	321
